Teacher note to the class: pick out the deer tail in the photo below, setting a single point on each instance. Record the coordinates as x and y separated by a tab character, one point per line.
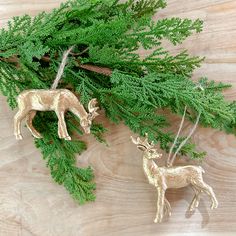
202	170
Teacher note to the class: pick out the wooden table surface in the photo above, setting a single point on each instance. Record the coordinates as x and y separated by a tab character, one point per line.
32	204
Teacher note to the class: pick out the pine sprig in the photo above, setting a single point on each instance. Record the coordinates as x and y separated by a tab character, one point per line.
60	157
105	64
146	7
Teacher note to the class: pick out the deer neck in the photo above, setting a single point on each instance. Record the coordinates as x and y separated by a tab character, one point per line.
149	166
83	113
79	111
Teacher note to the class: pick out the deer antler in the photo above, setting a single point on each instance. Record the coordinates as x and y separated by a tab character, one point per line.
93	108
143	143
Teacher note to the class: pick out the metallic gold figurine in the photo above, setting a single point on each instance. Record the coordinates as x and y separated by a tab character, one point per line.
58	100
171	177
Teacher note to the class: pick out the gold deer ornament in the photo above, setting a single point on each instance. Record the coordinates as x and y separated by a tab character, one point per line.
172	177
58	100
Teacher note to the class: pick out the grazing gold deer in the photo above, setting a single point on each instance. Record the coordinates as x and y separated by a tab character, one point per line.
171	177
58	100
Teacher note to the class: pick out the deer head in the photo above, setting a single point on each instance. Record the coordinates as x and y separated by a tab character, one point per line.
87	122
148	148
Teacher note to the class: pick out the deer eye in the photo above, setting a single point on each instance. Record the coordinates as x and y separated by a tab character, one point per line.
84	122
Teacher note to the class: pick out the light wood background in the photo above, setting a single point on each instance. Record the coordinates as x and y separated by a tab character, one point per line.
32	204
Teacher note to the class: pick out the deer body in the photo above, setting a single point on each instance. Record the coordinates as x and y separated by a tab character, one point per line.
172	177
178	176
49	100
58	100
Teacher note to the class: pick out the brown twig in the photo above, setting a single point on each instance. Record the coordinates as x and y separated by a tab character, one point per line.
79	53
97	69
10	59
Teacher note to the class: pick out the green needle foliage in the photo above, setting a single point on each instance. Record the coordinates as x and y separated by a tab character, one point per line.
105	64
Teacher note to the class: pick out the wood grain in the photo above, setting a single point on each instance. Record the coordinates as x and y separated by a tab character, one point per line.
32	204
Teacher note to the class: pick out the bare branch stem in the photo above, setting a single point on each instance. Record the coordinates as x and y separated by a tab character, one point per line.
97	69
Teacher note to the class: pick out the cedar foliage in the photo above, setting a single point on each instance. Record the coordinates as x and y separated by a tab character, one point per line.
108	34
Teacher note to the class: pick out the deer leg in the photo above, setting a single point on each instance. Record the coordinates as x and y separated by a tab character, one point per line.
160	205
29	123
20	115
167	207
195	202
208	190
62	130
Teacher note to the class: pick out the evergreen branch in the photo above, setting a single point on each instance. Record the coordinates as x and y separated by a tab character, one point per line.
105	64
175	92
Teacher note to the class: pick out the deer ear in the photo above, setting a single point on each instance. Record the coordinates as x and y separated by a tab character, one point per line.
133	140
141	147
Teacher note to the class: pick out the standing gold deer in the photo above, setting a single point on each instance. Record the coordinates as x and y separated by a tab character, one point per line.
171	177
58	100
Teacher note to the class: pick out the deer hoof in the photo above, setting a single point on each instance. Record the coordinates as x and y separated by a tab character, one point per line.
19	137
37	136
67	138
158	220
191	209
197	204
214	205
